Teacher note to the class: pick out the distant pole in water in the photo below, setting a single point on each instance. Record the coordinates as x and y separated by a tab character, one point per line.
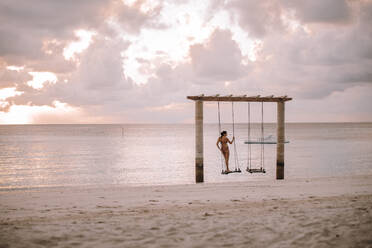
122	131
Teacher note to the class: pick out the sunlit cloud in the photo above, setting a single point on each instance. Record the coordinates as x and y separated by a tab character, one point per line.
57	113
14	68
85	38
6	93
40	78
169	107
144	6
9	92
129	2
50	45
288	18
188	24
185	24
98	64
17	114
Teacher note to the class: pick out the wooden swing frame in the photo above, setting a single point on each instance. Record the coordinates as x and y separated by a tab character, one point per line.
199	157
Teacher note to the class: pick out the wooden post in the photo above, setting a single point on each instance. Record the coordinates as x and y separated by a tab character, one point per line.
280	141
199	171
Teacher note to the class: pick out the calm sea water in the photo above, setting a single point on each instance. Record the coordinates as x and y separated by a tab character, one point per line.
66	155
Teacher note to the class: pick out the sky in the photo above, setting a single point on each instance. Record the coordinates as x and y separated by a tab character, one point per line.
135	61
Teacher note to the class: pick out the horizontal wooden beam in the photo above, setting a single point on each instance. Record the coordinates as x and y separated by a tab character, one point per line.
244	98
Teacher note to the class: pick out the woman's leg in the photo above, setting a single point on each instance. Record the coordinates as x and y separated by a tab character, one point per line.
227	155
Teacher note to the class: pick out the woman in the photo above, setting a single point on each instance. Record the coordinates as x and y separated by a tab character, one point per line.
225	148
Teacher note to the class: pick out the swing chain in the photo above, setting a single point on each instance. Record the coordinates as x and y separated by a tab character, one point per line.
249	151
236	159
262	138
219	131
261	141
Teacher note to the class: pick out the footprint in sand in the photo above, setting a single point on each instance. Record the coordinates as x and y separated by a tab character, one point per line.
44	242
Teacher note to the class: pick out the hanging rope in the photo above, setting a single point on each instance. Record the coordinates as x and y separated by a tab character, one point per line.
262	138
236	159
219	132
260	141
249	147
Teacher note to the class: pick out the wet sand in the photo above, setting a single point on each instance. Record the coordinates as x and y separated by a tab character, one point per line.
323	212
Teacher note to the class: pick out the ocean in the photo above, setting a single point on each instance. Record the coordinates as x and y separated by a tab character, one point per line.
34	156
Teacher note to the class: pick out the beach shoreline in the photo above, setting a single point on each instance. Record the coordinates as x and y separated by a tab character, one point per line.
317	212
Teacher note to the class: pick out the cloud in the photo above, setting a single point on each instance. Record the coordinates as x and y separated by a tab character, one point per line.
300	50
25	25
34	34
134	17
257	17
10	78
349	105
321	11
218	60
98	80
314	61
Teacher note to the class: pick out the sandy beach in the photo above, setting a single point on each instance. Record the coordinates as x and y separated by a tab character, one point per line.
323	212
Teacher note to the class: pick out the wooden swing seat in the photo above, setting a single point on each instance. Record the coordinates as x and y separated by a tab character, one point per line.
223	172
261	142
260	170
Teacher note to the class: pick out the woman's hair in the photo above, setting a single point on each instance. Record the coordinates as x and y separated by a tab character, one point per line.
223	133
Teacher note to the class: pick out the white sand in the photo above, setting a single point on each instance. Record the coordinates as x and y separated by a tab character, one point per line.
324	212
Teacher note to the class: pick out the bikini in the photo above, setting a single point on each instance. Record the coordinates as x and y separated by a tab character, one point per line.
224	146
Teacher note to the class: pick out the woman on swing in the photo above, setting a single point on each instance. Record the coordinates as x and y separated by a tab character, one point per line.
225	148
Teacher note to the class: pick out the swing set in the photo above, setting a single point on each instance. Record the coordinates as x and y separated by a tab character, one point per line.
280	141
236	160
249	142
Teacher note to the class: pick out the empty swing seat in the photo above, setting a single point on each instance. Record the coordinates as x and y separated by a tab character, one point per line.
257	170
262	142
267	140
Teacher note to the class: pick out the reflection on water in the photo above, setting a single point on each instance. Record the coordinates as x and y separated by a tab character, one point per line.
54	155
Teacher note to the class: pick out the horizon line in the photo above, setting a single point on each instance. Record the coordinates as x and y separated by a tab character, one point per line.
177	123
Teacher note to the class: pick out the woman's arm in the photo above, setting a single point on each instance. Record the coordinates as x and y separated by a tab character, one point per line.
233	139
